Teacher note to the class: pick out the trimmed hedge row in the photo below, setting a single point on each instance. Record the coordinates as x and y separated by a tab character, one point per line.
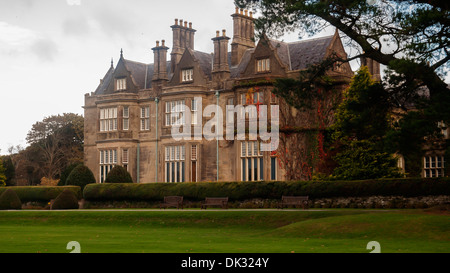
41	194
268	190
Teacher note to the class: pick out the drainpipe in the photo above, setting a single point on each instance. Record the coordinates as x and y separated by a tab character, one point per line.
157	170
217	134
138	162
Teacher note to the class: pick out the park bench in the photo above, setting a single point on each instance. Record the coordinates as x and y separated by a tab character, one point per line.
216	201
293	200
172	201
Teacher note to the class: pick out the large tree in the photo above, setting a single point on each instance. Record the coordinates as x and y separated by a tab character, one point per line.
410	37
57	141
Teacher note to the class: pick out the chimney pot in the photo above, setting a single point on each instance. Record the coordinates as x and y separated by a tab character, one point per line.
241	11
190	24
251	14
246	12
176	22
157	43
237	10
224	32
163	42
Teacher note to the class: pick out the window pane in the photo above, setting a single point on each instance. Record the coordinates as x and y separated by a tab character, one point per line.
272	168
243	149
244	178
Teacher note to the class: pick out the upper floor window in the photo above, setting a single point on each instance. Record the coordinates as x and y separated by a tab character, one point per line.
187	75
252	98
145	118
444	129
433	166
126	118
194	109
121	84
263	65
108	119
175	112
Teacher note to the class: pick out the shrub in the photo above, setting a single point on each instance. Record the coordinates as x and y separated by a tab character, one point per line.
10	200
118	174
41	193
407	187
66	172
65	200
80	176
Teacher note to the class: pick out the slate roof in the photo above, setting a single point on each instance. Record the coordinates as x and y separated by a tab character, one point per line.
205	62
105	82
295	56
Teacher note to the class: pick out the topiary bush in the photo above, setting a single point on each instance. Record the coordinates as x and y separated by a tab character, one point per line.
118	174
41	194
80	176
10	200
65	200
407	187
66	172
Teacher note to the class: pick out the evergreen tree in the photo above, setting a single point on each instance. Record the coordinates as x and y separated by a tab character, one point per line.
362	121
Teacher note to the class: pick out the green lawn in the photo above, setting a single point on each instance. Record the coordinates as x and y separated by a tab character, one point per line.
232	231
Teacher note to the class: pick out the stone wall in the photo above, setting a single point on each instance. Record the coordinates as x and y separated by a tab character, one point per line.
372	202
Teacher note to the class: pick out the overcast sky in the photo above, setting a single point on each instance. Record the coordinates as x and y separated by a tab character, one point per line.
52	52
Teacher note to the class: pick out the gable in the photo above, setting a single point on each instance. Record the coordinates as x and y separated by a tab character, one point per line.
199	62
122	72
264	50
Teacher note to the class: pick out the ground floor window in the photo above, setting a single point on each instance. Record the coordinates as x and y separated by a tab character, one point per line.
194	165
108	159
175	164
273	168
252	165
433	166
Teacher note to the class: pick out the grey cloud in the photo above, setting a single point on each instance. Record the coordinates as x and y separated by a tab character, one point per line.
76	26
44	49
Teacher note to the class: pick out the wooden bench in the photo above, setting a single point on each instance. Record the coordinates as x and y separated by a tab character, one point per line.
216	201
293	200
172	201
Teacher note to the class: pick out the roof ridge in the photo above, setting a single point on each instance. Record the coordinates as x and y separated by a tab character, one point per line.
136	62
311	39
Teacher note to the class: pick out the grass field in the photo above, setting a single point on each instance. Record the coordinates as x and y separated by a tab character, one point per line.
229	231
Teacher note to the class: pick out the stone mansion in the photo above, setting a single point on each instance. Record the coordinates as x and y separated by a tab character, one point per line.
129	117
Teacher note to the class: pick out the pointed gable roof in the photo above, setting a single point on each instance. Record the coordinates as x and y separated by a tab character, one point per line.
104	83
301	54
141	75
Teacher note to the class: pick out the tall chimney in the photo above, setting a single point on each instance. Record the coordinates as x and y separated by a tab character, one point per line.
160	77
221	68
183	37
373	66
243	36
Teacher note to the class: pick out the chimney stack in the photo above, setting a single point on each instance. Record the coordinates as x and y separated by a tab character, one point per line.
221	68
183	37
160	77
373	66
243	36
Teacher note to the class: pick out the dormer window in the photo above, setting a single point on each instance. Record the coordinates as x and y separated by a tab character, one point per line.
187	75
263	65
121	84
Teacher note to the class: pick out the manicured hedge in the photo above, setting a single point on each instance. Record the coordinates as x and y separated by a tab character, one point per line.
268	190
41	194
